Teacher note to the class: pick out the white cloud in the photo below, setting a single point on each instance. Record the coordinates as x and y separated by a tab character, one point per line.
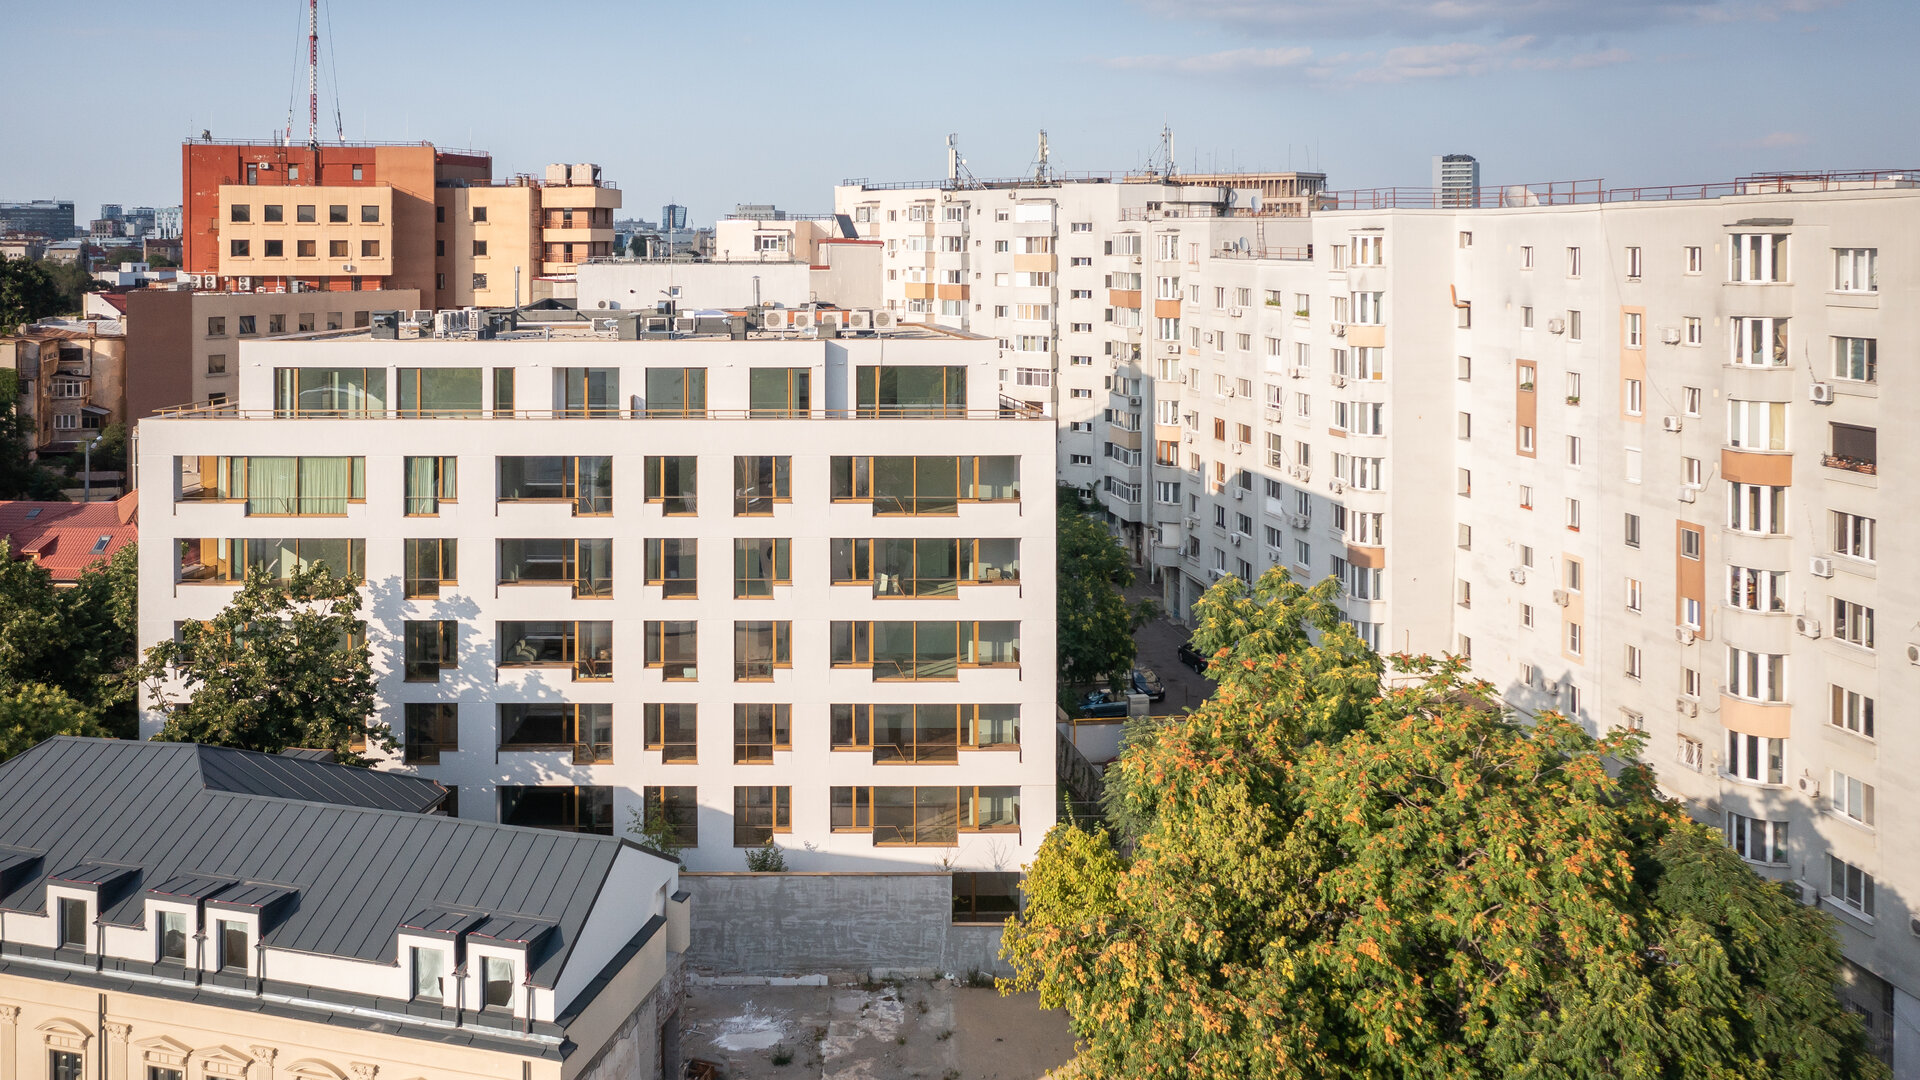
1228	62
1404	63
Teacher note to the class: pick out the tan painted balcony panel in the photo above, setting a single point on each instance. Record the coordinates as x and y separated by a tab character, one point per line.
1366	337
1746	467
1122	437
1752	718
1033	264
919	290
1166	309
1127	298
576	196
954	292
1372	558
577	235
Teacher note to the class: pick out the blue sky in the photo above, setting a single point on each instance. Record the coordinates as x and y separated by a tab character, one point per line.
710	104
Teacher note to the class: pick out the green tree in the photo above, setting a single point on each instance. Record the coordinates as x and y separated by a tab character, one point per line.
99	641
1096	623
116	256
1344	876
27	292
637	246
160	260
20	476
71	284
31	712
284	664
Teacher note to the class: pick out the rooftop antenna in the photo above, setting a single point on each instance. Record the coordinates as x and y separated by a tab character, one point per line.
1166	152
1042	169
957	165
313	76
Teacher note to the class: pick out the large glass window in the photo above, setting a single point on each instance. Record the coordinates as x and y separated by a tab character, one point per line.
1849	886
673	646
759	564
439	392
925	485
557	807
586	482
673	392
673	729
1757	257
429	648
673	482
679	808
64	1065
1757	840
981	896
924	650
73	923
920	733
587	391
430	565
760	728
587	647
233	946
430	481
1757	425
432	728
760	482
1757	508
173	936
587	565
673	564
916	567
884	391
279	558
429	972
1759	342
761	647
586	728
759	813
1855	359
329	391
779	392
1756	676
304	486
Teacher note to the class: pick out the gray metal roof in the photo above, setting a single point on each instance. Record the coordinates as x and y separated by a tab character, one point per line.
357	867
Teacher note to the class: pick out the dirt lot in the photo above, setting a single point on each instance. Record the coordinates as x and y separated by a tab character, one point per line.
937	1030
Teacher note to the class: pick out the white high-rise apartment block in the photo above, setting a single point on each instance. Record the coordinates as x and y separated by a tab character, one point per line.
1457	178
1621	448
799	590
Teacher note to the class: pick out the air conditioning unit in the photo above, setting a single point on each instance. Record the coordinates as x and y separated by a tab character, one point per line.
1684	635
1216	574
1232	392
776	319
1193	523
1183	378
1239	493
1686	707
885	320
1337	486
1670	335
1296	372
1299	521
1189	436
1274	554
860	319
1688	494
800	320
1235	313
1239	448
1809	895
1209	337
1913	654
421	317
1236	540
1339	329
1556	326
1517	575
1820	566
1562	597
1809	786
1806	627
1670	423
1339	379
605	326
1821	393
1551	689
1133	402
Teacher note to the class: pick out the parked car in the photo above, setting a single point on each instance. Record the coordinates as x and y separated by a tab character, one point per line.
1144	681
1101	705
1191	657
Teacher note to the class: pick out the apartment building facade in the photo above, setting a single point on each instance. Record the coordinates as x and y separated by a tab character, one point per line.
179	911
1058	273
1622	453
789	591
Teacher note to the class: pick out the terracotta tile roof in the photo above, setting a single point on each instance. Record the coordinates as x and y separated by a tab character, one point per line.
67	537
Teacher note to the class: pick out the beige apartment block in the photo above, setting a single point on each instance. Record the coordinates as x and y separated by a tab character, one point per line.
288	232
503	243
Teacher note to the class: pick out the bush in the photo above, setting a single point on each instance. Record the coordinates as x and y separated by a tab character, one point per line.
767	860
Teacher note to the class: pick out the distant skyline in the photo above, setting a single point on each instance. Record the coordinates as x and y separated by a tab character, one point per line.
778	102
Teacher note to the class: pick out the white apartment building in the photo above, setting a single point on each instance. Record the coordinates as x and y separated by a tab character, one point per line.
790	590
1061	274
1620	448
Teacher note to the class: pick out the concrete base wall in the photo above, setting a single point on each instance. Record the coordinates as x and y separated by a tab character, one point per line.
801	924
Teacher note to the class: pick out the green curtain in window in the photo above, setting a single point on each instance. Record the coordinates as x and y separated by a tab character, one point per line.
272	484
326	483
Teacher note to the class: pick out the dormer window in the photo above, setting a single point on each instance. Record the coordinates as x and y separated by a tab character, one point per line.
429	974
173	937
496	982
233	946
73	923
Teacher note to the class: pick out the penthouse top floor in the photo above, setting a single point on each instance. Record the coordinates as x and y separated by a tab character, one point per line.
718	367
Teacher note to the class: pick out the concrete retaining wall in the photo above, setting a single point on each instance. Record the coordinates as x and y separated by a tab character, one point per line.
801	924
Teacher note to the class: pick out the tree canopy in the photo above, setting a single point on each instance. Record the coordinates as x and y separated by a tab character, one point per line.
28	292
1340	867
284	664
65	654
1096	623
